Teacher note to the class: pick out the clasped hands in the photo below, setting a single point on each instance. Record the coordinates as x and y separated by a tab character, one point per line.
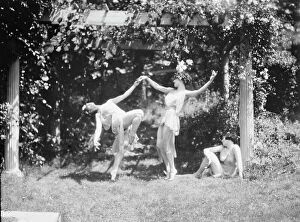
140	79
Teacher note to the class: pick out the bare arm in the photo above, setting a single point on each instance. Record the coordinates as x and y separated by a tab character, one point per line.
209	152
238	157
158	87
203	88
214	149
126	94
98	129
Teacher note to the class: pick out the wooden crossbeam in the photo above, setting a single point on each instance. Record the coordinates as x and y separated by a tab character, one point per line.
96	17
123	18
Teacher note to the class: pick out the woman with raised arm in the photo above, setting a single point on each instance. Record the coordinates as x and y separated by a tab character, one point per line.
123	124
170	125
230	162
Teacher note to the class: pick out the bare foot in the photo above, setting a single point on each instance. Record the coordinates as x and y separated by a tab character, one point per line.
197	175
113	175
172	174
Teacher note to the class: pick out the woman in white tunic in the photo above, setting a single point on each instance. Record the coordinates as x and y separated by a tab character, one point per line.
170	125
123	124
229	164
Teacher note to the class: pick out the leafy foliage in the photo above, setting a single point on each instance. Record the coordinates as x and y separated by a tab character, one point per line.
65	65
276	146
213	119
21	35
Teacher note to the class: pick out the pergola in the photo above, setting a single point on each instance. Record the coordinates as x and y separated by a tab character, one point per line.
123	18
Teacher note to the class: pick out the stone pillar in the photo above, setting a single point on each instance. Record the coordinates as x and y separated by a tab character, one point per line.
246	110
12	140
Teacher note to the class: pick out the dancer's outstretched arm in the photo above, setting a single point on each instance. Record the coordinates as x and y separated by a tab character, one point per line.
127	93
156	86
203	88
98	129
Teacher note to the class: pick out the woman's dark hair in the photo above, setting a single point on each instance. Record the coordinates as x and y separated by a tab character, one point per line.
231	138
183	76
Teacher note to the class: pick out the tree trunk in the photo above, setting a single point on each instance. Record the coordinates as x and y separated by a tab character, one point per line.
12	140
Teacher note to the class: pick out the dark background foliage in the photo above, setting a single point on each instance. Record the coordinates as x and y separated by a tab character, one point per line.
67	64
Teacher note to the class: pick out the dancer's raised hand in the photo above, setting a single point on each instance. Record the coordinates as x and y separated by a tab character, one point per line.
138	80
143	77
213	75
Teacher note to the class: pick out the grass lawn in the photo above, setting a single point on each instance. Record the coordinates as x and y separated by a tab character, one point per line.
140	194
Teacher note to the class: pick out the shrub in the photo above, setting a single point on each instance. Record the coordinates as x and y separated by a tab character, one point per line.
3	131
275	146
212	120
31	142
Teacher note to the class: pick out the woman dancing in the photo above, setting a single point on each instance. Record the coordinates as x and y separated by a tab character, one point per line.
123	124
170	125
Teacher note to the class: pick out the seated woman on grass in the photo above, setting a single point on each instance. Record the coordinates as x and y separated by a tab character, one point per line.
229	164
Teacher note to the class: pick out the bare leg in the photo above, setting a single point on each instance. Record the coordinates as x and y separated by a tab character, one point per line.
117	160
213	163
166	162
203	166
160	144
133	118
169	150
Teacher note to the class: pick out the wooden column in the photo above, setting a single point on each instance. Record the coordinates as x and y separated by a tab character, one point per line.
296	43
246	111
12	140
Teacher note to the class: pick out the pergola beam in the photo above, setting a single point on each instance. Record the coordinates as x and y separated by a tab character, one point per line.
124	18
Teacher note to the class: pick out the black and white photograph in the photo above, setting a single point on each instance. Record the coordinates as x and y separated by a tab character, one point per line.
150	110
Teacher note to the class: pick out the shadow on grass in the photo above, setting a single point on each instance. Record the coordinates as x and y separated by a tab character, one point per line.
90	176
146	167
142	166
45	174
87	172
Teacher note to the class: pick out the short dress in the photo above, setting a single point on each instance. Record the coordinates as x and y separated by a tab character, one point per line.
112	116
171	120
